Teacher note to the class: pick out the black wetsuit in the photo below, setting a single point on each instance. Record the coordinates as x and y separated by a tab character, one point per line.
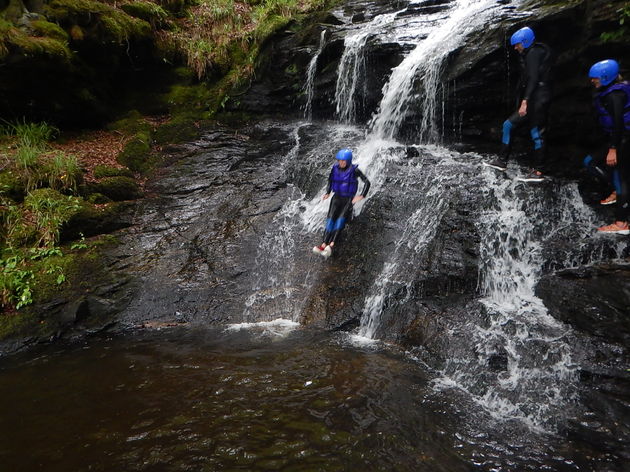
535	87
618	138
340	210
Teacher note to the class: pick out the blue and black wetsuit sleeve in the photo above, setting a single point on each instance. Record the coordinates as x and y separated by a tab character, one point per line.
366	182
614	103
330	181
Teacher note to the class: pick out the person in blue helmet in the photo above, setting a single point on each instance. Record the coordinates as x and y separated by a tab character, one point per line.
534	98
612	105
343	181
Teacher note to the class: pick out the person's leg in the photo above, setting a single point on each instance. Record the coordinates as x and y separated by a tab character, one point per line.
344	217
334	211
537	114
595	165
514	121
622	207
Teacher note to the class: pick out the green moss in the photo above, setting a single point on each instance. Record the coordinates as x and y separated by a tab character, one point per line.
23	323
102	171
115	25
136	154
148	11
36	46
130	124
98	198
51	30
180	129
91	220
119	188
12	185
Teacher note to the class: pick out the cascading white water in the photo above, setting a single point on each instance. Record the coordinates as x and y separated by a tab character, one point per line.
424	64
351	72
426	61
429	197
310	77
278	279
537	377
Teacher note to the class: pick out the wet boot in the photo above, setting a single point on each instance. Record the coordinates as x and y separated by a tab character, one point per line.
500	163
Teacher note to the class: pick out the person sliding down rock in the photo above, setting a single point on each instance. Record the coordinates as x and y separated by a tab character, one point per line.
534	97
612	104
343	181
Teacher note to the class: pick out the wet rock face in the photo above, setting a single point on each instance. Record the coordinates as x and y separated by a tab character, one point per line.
479	79
594	302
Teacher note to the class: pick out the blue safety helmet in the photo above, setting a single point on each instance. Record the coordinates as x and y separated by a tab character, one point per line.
606	71
344	155
525	36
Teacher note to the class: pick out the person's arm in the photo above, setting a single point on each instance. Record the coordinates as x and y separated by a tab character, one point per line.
533	63
328	186
614	102
366	182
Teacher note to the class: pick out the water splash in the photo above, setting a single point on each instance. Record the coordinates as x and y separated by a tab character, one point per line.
430	198
516	359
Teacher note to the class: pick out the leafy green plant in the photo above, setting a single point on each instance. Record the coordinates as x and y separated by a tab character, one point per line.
81	244
44	252
27	157
15	280
63	172
50	211
33	135
623	30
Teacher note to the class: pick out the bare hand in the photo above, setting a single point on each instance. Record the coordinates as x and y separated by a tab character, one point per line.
611	157
358	198
326	195
522	111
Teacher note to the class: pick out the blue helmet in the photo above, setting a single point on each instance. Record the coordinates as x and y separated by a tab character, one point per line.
525	36
344	155
606	71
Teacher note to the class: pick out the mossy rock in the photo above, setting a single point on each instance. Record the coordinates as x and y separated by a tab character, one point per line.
119	188
102	171
98	198
179	130
51	30
91	220
12	185
148	11
136	153
113	24
130	124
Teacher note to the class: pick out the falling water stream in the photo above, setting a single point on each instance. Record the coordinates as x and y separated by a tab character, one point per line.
268	393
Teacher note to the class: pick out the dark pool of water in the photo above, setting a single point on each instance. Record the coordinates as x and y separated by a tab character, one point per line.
198	400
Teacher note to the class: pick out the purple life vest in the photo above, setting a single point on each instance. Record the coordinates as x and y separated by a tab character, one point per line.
605	118
344	181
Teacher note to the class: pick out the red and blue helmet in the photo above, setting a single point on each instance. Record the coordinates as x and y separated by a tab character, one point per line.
606	71
344	155
525	36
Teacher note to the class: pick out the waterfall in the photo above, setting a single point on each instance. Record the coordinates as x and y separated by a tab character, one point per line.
424	65
281	284
429	196
351	70
531	350
424	61
310	76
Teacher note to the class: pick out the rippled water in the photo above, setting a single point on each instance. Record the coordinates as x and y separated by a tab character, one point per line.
246	399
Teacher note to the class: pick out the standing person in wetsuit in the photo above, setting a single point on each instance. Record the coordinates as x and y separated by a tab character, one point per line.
612	104
344	182
533	101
